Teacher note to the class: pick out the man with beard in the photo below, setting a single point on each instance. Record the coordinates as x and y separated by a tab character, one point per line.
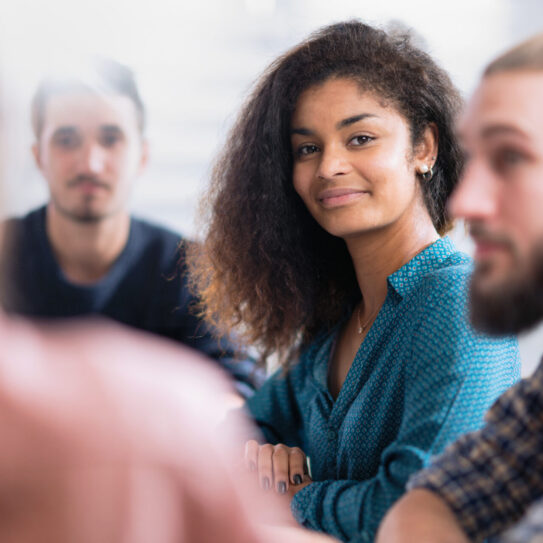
488	480
83	253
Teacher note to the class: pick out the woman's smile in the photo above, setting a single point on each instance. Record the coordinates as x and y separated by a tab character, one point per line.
340	196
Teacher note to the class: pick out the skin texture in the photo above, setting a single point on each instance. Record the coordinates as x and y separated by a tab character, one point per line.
420	517
356	171
501	197
90	151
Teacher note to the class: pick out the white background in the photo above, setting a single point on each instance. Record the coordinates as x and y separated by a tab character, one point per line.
195	63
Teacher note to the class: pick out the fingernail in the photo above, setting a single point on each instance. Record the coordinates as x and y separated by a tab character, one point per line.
297	479
282	487
265	483
252	466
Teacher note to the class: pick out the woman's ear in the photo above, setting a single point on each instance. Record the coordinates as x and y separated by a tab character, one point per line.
426	149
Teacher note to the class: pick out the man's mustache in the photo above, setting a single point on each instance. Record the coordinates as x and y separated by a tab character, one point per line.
80	179
481	233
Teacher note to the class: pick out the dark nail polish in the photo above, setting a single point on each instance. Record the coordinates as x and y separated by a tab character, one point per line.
265	483
297	479
282	487
252	466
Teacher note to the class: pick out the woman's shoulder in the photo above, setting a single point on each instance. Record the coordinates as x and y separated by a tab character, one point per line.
440	293
437	269
452	278
442	303
448	280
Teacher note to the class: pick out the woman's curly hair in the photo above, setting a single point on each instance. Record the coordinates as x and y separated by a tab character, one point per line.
266	268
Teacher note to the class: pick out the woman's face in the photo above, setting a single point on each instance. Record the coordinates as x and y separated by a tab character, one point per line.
353	159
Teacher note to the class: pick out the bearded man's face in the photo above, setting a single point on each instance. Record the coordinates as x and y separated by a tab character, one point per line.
500	196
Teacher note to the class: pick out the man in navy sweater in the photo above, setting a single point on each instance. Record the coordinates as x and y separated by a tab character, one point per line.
82	253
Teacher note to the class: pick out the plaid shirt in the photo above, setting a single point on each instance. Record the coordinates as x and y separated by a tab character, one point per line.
489	478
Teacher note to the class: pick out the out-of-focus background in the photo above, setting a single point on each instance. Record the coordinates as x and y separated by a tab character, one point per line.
195	63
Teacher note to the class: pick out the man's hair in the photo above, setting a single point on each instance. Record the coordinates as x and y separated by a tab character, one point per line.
528	55
100	76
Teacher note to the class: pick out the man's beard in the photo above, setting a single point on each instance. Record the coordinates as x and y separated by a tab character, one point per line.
85	214
515	304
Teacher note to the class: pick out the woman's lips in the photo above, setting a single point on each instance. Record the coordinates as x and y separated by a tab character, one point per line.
338	197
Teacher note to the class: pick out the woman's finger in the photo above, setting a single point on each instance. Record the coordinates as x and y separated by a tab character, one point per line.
251	455
265	466
280	468
296	465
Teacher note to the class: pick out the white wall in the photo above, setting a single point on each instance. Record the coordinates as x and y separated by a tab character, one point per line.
196	61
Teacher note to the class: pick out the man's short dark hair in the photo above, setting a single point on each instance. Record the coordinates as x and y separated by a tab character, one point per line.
100	75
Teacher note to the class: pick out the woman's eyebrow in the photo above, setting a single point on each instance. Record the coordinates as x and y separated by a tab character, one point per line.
354	119
341	124
301	131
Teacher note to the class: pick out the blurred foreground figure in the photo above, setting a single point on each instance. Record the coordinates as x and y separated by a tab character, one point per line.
109	437
485	482
83	253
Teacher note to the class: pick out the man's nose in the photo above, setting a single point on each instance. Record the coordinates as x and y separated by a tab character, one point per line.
475	197
93	159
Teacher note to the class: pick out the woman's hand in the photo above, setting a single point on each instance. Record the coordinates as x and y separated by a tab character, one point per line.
277	466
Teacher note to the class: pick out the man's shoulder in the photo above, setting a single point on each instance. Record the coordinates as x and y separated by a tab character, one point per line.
21	231
27	221
151	232
162	245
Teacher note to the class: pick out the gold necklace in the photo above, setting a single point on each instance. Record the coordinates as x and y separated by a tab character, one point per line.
362	327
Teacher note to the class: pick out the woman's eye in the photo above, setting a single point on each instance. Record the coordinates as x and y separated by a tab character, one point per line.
305	150
360	140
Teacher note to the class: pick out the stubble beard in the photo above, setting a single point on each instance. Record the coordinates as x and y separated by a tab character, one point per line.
85	214
84	211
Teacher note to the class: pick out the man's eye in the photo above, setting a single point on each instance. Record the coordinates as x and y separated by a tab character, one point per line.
67	141
511	157
305	150
360	140
507	158
109	140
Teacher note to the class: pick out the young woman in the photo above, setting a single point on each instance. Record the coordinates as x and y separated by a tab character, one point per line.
326	215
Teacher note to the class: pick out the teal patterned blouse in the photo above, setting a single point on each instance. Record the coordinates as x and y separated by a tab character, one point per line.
420	379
